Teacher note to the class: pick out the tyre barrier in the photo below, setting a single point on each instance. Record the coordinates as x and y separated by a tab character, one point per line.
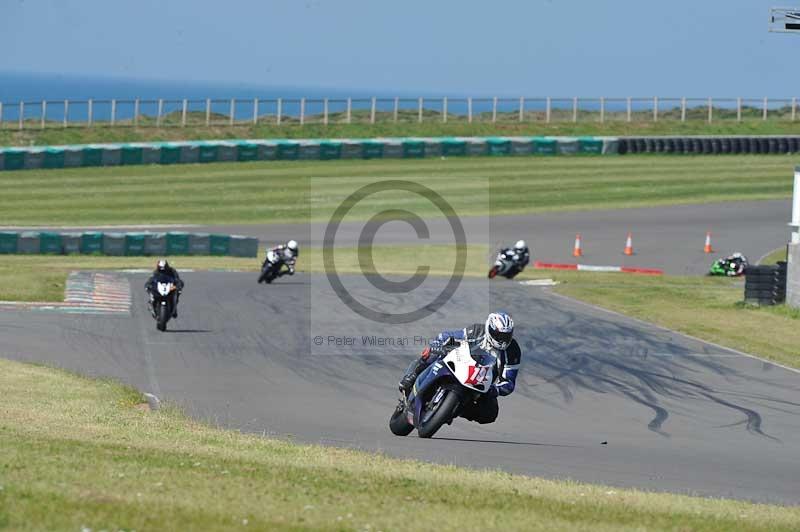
190	152
12	158
127	244
765	285
710	145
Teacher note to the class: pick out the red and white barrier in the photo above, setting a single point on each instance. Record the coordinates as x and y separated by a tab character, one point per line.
590	268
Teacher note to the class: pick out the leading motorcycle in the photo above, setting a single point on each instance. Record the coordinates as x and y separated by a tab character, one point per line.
443	389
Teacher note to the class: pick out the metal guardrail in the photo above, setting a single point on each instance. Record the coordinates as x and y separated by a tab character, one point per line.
208	112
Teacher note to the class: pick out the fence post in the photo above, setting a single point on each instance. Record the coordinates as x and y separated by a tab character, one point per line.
419	119
547	111
794	108
372	111
302	111
325	111
655	108
184	111
710	109
683	109
575	109
765	108
232	116
135	112
739	109
113	111
21	115
494	109
208	112
44	112
444	110
521	108
66	113
602	109
159	111
280	111
396	107
1	115
469	109
349	110
90	113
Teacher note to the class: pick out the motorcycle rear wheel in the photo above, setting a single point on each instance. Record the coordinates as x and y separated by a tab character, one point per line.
444	412
398	423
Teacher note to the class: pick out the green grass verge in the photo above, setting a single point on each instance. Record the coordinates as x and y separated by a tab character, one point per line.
81	454
275	192
779	255
42	277
432	127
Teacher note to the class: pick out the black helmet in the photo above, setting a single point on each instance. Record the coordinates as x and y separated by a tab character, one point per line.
162	265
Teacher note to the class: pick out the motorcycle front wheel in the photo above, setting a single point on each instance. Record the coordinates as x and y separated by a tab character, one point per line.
398	423
493	272
163	316
440	412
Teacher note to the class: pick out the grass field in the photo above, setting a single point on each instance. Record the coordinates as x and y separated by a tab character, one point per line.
81	454
274	192
431	127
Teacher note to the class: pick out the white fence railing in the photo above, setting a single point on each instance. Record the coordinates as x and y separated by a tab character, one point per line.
326	111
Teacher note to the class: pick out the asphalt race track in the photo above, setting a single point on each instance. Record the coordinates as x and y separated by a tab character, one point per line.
669	237
675	414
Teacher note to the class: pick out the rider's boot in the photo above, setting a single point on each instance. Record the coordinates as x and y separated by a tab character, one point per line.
413	371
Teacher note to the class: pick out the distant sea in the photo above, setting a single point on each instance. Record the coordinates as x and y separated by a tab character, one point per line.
28	87
16	87
32	89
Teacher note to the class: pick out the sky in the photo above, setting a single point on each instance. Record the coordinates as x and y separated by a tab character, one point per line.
514	47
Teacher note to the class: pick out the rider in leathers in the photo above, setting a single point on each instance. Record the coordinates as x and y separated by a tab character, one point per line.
519	255
283	254
163	268
495	336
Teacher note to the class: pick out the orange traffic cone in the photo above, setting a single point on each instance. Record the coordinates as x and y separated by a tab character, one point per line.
707	248
629	245
577	252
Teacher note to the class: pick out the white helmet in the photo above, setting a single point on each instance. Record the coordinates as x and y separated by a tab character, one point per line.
520	244
499	330
292	244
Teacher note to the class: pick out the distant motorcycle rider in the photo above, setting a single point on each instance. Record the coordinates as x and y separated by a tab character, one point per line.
283	254
519	256
164	269
731	266
496	337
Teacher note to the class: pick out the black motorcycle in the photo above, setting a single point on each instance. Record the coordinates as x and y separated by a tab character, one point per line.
163	298
272	269
505	265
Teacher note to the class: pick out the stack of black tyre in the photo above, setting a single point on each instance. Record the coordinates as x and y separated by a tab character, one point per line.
765	285
709	145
